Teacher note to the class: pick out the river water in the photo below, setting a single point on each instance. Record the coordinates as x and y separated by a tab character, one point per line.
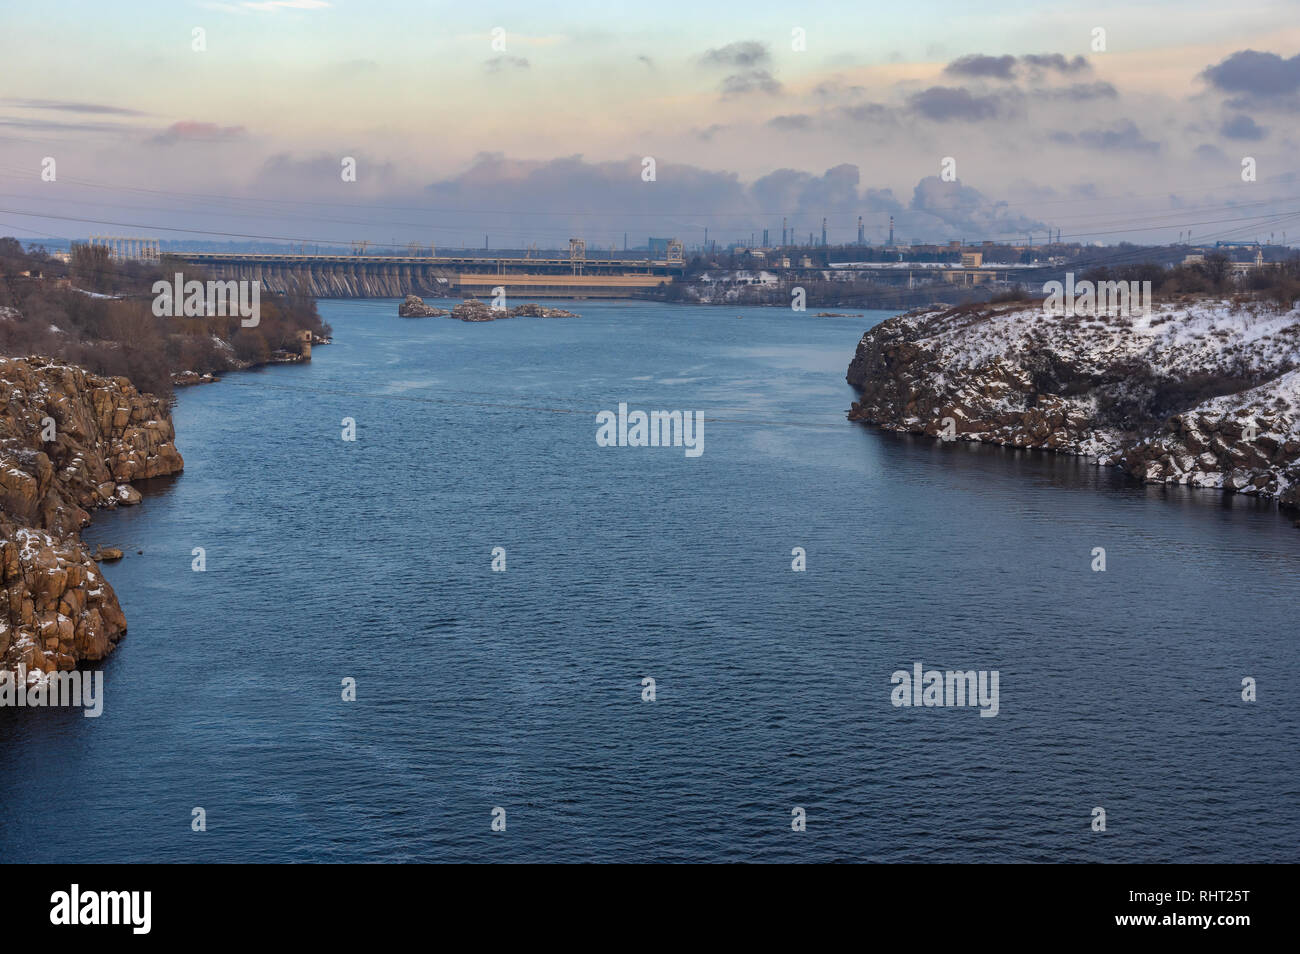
371	560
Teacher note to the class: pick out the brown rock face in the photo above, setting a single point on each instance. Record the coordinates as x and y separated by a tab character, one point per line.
70	441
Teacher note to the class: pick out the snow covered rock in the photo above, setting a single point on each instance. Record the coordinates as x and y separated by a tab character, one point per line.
1198	392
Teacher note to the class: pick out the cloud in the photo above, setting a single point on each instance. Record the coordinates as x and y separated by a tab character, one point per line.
791	122
58	125
63	106
1242	127
751	81
1211	153
942	103
1078	92
868	113
1123	136
285	175
833	89
572	196
708	132
981	66
189	131
958	211
745	54
792	190
1057	62
499	63
1263	75
978	66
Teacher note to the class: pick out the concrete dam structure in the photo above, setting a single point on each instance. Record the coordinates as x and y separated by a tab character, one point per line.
395	276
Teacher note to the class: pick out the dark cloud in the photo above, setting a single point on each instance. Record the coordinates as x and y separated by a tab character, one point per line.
981	66
1242	127
943	103
1079	92
794	121
1124	136
67	107
745	54
56	125
1264	75
1056	62
869	113
750	81
499	63
977	65
1211	153
190	131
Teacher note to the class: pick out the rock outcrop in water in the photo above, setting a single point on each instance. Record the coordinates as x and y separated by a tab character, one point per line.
413	306
70	442
474	310
1204	393
471	309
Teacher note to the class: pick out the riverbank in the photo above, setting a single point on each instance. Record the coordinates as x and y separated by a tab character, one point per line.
70	442
1200	392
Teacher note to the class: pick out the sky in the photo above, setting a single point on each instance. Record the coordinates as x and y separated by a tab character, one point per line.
523	123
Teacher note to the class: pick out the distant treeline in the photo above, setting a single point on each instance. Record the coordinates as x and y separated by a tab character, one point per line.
61	313
1278	281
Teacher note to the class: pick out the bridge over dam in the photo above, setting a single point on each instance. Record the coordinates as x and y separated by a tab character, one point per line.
393	276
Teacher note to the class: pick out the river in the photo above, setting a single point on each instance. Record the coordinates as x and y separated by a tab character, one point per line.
328	560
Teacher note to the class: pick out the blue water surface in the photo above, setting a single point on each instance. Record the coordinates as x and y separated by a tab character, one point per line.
371	560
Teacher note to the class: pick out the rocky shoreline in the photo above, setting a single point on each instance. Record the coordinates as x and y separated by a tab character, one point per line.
1200	392
70	442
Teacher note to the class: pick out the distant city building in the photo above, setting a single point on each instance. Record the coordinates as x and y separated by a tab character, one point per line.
659	247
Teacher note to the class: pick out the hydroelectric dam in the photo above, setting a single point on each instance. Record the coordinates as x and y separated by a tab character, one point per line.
361	275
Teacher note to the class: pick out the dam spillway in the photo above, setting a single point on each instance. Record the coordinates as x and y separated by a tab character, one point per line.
386	276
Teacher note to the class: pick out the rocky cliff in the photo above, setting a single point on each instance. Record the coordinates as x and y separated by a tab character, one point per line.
70	442
1204	393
